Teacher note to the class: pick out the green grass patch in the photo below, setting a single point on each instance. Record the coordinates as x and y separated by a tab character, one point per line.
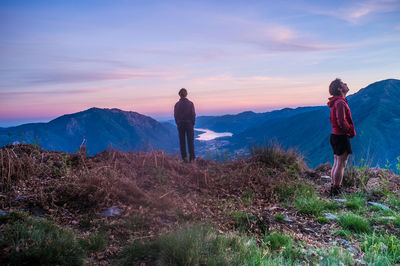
202	245
279	217
307	202
243	220
344	233
199	245
38	242
393	201
355	201
322	220
354	223
381	249
277	240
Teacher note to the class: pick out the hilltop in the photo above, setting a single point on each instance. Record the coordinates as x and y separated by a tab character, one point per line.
131	208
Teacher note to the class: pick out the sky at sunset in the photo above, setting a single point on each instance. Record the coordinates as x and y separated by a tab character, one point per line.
60	57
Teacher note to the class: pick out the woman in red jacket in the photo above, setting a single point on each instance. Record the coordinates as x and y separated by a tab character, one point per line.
342	131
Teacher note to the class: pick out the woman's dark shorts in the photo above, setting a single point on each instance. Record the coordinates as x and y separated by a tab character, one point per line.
340	144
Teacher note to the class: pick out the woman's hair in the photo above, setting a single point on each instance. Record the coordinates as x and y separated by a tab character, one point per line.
183	92
334	87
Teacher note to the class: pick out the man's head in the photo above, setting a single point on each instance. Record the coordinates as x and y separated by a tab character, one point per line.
338	88
183	93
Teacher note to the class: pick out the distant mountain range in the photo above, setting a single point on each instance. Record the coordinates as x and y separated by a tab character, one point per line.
376	114
375	110
102	128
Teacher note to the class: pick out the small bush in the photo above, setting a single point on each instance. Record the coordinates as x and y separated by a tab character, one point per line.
354	223
38	243
274	156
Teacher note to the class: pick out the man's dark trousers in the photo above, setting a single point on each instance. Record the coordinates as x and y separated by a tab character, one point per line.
185	130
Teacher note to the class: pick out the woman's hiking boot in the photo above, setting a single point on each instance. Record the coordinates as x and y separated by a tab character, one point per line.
335	190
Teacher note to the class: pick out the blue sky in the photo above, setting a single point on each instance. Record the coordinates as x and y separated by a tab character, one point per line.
59	57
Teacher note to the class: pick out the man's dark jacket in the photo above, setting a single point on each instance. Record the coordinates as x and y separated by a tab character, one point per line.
184	112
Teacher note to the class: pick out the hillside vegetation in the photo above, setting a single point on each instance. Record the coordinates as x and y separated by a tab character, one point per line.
267	209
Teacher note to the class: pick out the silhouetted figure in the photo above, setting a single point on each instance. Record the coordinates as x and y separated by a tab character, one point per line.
185	118
342	131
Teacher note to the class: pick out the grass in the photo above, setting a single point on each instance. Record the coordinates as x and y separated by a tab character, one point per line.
355	201
202	245
277	240
304	198
393	201
354	223
381	249
279	217
38	242
95	242
195	245
272	155
243	220
322	220
307	201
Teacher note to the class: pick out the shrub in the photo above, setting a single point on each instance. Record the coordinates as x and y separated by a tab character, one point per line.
38	243
272	155
354	223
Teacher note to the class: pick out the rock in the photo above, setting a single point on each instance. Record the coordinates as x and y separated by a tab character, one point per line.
287	219
391	218
352	249
167	221
379	205
330	216
343	242
340	200
21	197
112	211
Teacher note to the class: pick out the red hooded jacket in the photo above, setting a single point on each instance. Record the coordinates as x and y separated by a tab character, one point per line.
342	123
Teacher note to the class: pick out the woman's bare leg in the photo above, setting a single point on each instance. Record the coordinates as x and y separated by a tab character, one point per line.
333	171
341	164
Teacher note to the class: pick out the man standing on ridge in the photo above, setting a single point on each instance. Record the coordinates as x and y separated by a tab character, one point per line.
185	118
342	131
